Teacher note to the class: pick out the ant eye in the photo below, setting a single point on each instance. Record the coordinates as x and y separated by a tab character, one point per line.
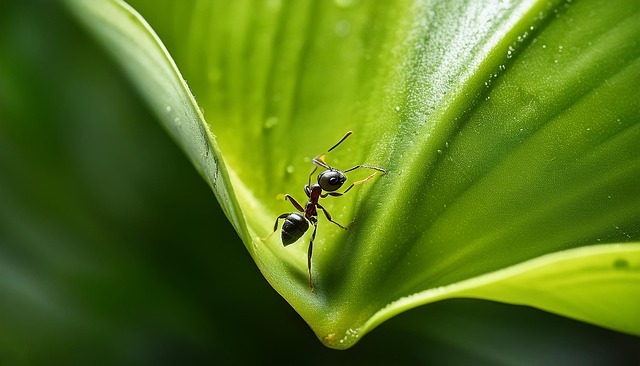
331	180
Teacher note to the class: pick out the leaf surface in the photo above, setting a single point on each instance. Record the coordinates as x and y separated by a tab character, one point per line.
509	130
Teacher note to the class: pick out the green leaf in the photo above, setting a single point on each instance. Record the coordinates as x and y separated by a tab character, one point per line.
593	284
156	75
509	130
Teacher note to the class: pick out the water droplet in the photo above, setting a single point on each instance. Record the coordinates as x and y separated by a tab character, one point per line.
291	169
168	109
343	28
345	3
271	122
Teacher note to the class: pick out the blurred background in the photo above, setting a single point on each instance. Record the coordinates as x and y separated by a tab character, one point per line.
114	251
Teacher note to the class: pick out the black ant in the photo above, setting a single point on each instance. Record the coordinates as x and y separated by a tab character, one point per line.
329	181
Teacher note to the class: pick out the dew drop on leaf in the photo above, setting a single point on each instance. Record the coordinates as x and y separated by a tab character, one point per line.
271	122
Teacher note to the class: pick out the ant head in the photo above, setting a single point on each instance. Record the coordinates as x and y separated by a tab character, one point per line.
331	180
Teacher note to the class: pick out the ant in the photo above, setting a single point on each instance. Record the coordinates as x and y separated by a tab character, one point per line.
329	181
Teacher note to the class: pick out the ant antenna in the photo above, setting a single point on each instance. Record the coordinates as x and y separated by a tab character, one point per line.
319	160
339	142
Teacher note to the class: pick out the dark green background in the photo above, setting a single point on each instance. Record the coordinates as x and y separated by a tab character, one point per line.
113	250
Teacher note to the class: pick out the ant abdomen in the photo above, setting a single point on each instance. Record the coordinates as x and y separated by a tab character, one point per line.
293	227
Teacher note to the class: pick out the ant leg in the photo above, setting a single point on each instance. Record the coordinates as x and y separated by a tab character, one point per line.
307	190
283	216
313	171
328	216
293	202
319	160
337	194
275	227
366	167
313	236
